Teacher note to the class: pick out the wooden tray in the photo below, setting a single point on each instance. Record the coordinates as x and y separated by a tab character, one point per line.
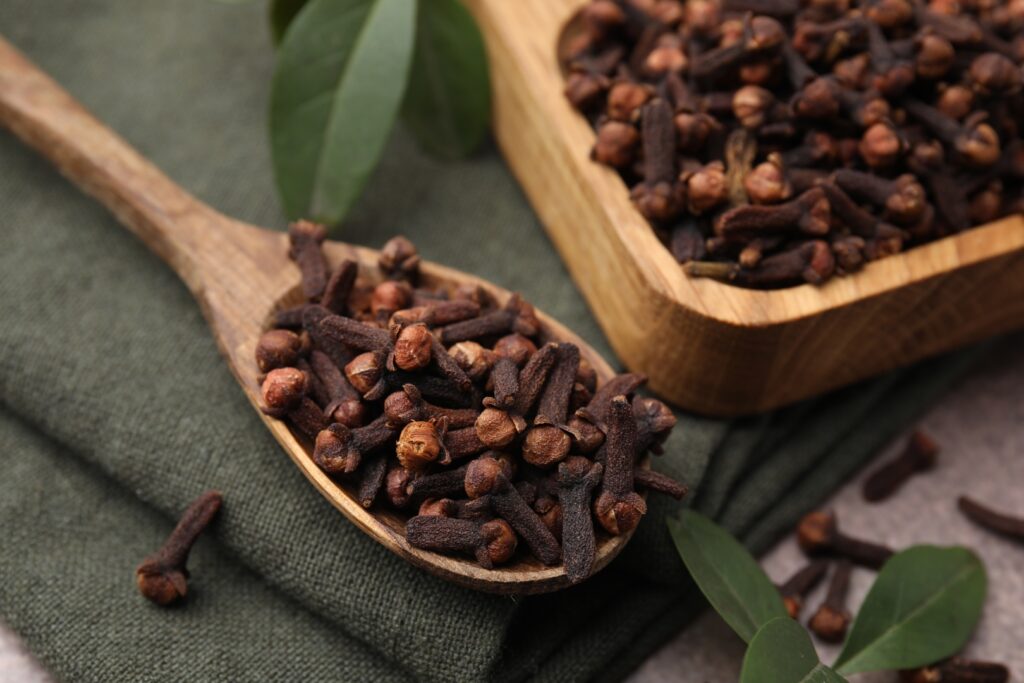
710	347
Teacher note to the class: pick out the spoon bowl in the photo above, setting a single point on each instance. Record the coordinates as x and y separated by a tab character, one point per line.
240	274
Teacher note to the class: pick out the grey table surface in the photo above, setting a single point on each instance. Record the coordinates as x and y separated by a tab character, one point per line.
980	427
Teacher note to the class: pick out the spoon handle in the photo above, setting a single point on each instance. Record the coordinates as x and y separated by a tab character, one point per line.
170	221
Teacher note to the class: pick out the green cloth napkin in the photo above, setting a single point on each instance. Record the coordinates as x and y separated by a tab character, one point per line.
116	408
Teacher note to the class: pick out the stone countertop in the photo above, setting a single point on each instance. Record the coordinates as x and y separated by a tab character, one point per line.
979	426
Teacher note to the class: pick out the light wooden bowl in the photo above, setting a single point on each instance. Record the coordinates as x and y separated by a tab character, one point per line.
710	347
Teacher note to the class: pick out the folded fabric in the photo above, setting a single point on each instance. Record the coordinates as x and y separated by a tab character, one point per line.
116	408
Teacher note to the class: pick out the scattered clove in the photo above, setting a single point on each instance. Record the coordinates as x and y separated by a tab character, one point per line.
920	454
990	519
803	581
957	670
818	534
163	577
832	619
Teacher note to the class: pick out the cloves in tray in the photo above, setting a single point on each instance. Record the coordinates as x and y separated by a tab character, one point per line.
707	107
461	411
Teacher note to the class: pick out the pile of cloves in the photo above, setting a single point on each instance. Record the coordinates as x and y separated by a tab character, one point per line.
460	410
776	142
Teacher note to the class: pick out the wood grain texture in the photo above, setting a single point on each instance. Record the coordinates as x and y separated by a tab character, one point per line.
239	275
710	347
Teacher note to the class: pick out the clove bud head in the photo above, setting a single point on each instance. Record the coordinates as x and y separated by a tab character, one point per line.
333	451
495	428
994	74
619	514
363	372
390	296
706	188
546	446
616	144
482	476
816	532
282	390
277	349
396	486
881	145
160	584
473	358
418	445
766	183
625	100
350	412
399	259
413	347
439	507
516	348
499	539
935	56
830	623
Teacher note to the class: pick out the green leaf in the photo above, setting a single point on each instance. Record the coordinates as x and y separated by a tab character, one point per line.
282	13
341	72
448	103
923	607
782	652
728	575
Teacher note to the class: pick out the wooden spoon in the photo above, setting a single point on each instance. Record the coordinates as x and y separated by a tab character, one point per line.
240	274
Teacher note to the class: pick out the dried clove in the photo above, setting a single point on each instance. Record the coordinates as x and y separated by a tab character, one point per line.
659	483
305	239
618	507
339	287
408	405
492	542
371	479
515	316
990	519
438	485
339	449
957	670
833	618
399	260
809	213
344	404
548	441
657	197
920	454
811	262
577	477
819	534
803	581
277	349
516	348
163	577
419	445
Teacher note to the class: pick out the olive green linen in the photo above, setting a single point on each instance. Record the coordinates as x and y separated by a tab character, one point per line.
116	409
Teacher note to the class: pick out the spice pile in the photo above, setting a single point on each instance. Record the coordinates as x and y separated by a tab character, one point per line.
775	142
455	407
